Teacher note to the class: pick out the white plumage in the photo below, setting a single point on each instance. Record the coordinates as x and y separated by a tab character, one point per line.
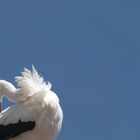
34	102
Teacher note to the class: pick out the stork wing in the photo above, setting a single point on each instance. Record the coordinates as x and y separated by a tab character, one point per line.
16	120
12	130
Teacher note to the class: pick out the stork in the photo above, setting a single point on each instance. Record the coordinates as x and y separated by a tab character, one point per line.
36	114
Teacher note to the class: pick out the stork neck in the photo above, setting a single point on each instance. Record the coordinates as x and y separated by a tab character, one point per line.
0	106
1	98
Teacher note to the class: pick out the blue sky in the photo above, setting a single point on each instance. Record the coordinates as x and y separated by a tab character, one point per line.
89	50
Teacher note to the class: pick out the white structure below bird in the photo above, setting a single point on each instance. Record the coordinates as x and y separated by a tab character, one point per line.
36	114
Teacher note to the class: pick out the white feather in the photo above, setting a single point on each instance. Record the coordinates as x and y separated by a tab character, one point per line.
7	89
31	82
34	102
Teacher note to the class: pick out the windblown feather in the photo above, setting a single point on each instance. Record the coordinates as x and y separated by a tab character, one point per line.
31	82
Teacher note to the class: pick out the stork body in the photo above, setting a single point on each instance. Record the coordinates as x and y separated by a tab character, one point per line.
36	114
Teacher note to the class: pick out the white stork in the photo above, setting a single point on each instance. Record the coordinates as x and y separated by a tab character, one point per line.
36	114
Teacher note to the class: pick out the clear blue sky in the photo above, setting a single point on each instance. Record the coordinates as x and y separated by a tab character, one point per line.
89	50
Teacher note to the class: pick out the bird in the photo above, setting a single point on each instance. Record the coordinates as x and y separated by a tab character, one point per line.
36	113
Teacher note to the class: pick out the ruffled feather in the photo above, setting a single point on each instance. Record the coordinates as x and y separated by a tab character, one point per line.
31	82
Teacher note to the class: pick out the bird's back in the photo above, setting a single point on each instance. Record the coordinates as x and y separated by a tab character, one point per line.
37	104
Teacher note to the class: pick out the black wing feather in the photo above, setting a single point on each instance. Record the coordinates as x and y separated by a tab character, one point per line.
12	130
